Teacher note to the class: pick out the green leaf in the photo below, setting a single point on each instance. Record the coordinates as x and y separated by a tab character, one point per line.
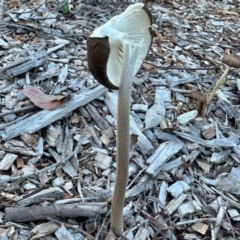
64	10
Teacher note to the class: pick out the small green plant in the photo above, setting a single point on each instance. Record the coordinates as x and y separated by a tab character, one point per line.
64	9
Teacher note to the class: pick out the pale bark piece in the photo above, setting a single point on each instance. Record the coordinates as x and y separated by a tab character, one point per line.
204	165
143	143
36	213
176	81
10	197
44	229
225	142
127	210
236	149
191	236
46	117
46	193
66	165
218	157
97	117
142	234
164	94
143	185
168	233
164	152
79	200
234	214
128	234
230	183
170	137
58	181
230	110
7	161
189	207
155	114
25	64
215	204
172	164
219	220
156	153
63	233
139	108
233	202
102	161
227	226
187	117
200	227
4	44
69	169
209	133
238	84
178	188
53	135
63	74
235	172
174	204
163	193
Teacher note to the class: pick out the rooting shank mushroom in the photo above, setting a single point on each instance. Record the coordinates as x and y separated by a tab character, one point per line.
116	51
105	44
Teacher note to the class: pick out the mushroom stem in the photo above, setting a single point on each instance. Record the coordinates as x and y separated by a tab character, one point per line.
218	84
131	52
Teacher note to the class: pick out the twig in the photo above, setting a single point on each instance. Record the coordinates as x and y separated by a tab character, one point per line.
33	10
65	142
232	230
4	125
18	110
227	198
118	234
196	220
1	10
136	178
76	150
218	84
102	225
71	226
215	68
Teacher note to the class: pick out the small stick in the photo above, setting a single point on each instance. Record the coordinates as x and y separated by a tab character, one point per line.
231	61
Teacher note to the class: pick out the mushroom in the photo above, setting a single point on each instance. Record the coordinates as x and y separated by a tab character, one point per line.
116	51
232	61
105	44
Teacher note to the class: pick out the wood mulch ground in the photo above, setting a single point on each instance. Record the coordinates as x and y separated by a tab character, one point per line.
57	166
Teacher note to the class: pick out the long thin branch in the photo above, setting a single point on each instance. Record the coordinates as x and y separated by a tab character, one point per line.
218	84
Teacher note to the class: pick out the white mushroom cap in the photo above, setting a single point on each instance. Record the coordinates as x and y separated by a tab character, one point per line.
134	24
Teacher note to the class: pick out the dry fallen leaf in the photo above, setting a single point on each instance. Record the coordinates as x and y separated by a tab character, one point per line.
15	4
43	100
35	41
20	38
197	95
10	197
202	100
149	68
